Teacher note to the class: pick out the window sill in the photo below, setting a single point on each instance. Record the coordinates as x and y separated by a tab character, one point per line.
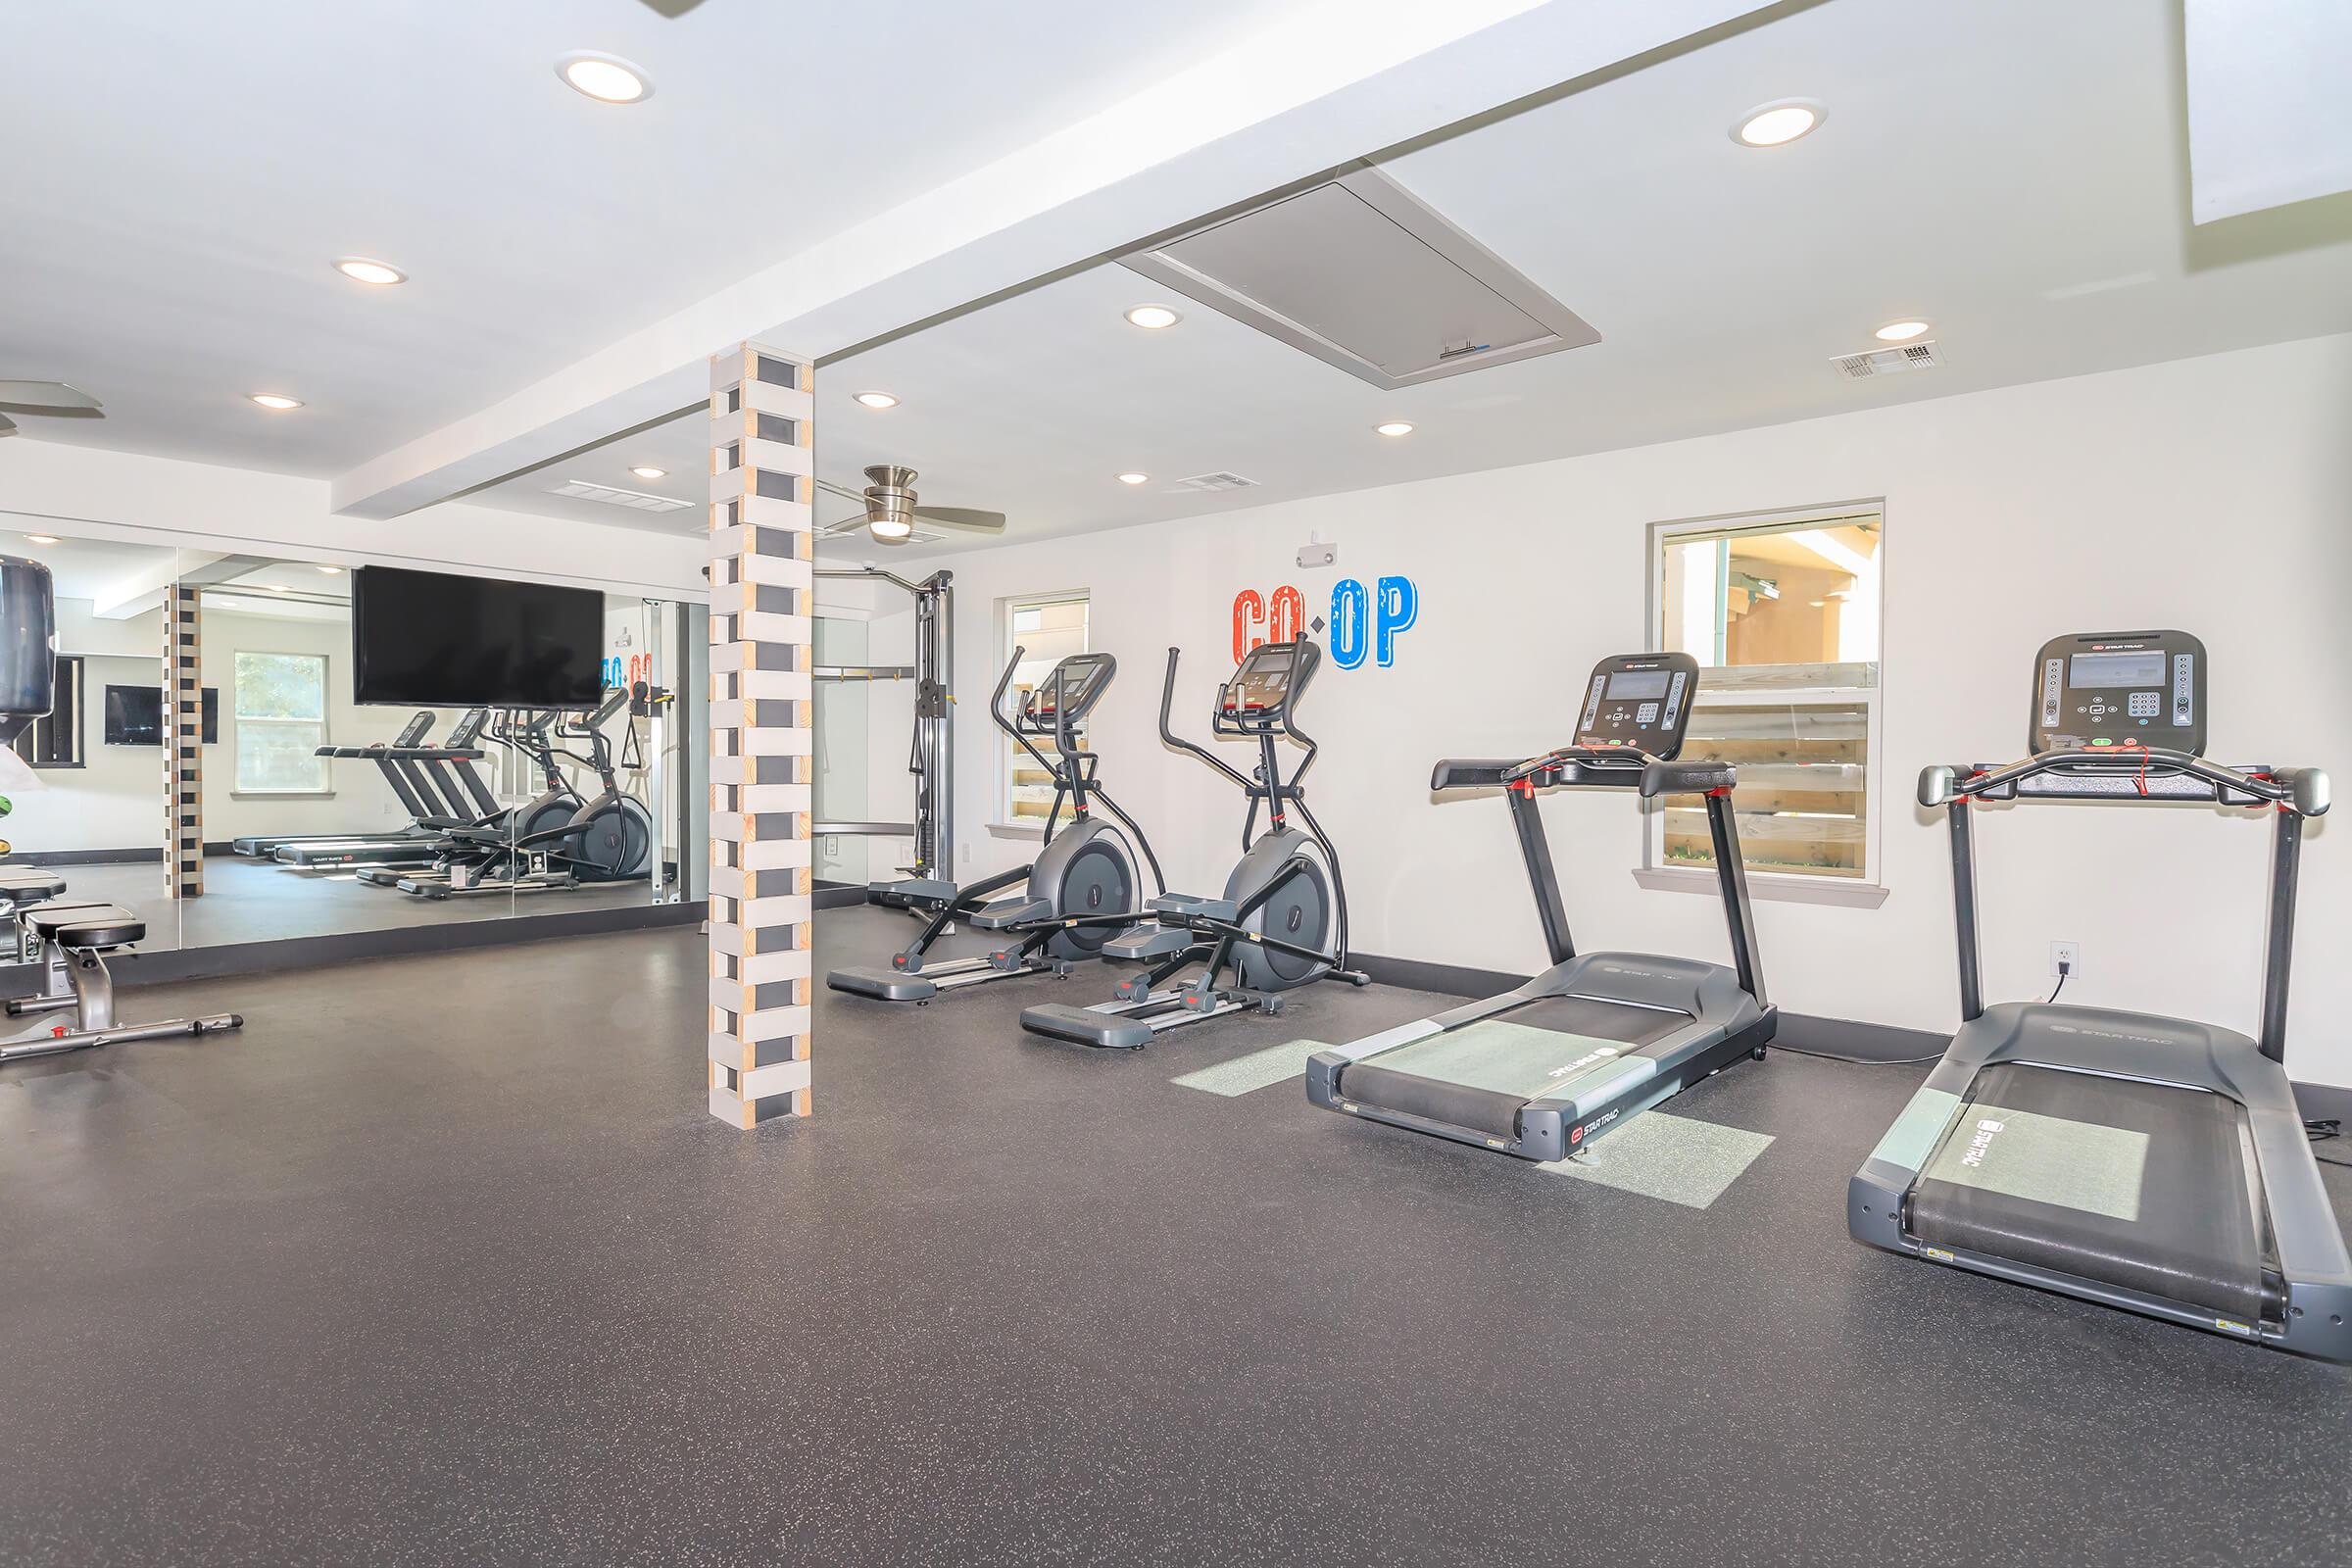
1762	887
1034	833
281	795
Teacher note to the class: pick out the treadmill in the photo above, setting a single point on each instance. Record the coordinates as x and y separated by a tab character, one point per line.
1541	1071
425	778
2155	1164
264	846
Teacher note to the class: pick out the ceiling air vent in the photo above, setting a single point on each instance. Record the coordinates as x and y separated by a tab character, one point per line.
634	500
1356	271
1215	481
1887	362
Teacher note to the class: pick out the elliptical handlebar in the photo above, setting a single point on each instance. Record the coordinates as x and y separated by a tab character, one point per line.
1167	700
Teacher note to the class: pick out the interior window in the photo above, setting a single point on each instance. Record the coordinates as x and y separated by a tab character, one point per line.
282	723
1783	618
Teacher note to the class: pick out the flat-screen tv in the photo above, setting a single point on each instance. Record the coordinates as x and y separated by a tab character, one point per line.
427	639
134	715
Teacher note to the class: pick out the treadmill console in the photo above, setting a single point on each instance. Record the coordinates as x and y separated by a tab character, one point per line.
1073	686
2120	689
1264	685
1640	700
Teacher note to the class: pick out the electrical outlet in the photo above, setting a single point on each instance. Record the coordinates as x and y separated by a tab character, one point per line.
2070	955
966	853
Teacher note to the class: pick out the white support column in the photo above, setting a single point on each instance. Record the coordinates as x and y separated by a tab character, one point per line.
183	740
762	762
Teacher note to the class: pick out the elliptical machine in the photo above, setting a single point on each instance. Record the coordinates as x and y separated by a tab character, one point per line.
546	848
1283	901
1082	887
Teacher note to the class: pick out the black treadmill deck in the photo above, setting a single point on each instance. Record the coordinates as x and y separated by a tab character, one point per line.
2141	1186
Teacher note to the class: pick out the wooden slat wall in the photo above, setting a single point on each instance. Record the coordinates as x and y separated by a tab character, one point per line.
183	742
763	753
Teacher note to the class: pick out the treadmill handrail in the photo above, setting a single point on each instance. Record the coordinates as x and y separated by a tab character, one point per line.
2300	790
1586	767
2297	793
1616	767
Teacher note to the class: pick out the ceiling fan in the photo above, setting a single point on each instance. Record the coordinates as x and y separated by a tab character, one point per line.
42	397
890	513
671	8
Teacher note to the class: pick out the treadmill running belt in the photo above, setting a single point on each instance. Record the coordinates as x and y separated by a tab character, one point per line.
1479	1076
2140	1186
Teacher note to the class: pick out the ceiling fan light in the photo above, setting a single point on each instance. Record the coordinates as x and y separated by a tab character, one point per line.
890	528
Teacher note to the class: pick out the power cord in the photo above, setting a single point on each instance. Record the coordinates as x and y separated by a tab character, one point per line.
1856	1062
2065	971
2323	1129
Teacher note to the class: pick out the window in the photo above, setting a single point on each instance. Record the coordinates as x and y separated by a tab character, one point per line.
282	723
1048	631
55	741
1782	616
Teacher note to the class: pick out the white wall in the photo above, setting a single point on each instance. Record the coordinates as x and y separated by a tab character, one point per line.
2214	495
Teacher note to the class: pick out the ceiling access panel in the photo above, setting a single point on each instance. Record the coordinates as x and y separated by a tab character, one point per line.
1355	270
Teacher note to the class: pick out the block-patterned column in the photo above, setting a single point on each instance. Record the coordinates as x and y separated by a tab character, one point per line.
762	749
183	743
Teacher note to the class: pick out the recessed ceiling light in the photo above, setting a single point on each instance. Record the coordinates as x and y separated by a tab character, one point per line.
276	587
877	400
274	400
646	471
1135	478
332	571
42	538
1394	427
606	78
1152	318
368	270
1900	331
1779	123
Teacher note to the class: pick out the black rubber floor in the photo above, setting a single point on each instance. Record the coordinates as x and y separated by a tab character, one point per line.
441	1263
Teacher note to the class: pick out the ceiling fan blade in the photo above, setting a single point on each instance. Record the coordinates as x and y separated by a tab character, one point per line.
968	520
673	9
7	427
46	395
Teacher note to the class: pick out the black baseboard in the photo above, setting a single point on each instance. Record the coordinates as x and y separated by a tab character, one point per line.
838	895
1445	979
151	857
158	967
2326	1102
1864	1042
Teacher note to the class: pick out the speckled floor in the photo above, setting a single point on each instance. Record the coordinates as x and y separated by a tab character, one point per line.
440	1262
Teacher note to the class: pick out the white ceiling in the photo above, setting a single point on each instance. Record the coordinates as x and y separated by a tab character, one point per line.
182	176
2011	171
86	569
125	577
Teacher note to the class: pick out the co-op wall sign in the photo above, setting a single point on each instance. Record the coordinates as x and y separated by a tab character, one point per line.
1361	623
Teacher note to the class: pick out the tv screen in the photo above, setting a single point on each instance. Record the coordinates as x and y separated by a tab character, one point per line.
134	715
425	639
